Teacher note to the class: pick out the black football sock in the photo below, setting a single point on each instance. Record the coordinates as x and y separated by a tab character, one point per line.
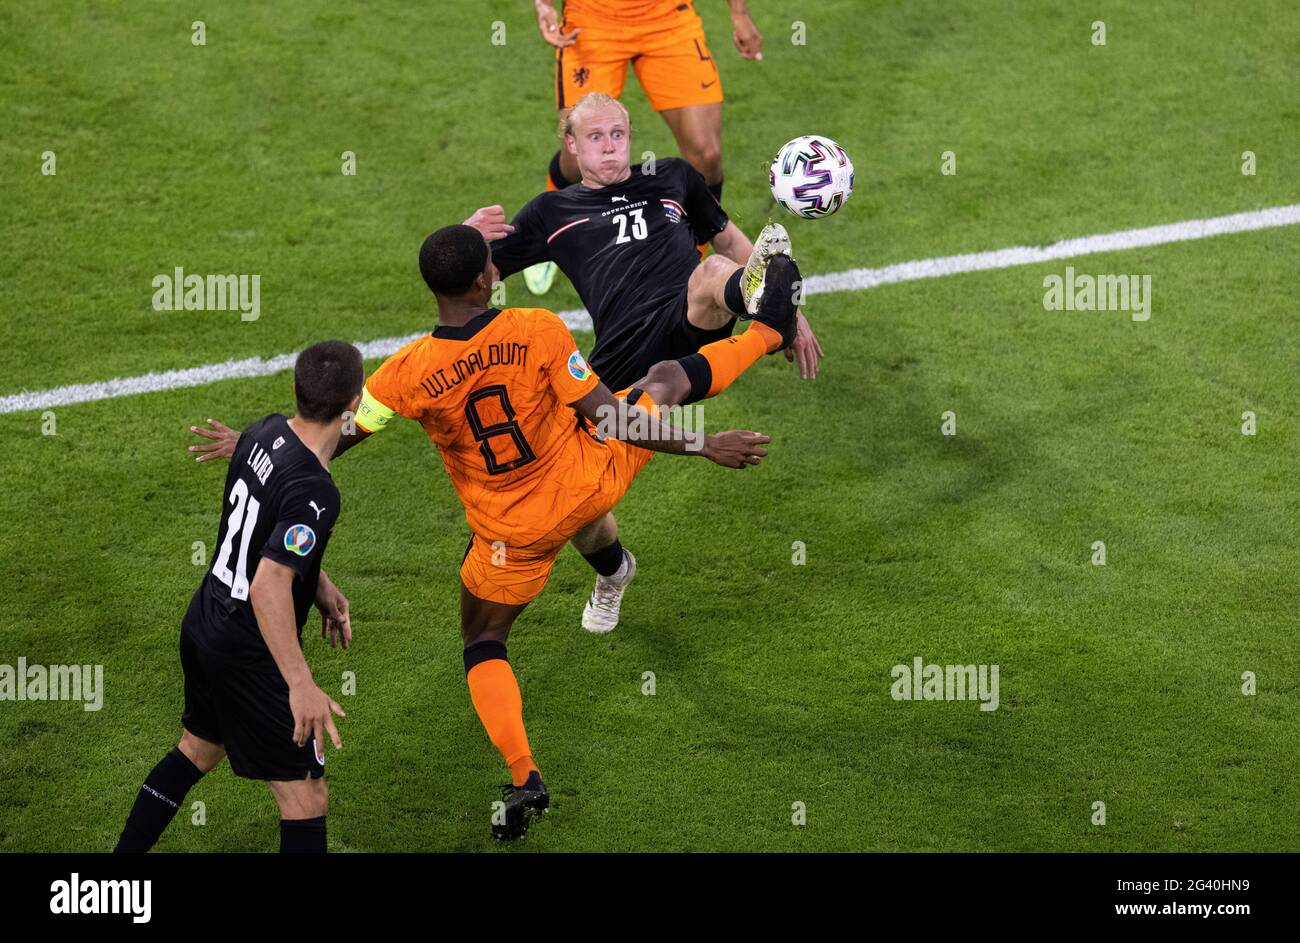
716	190
700	374
606	560
558	180
156	805
302	836
732	296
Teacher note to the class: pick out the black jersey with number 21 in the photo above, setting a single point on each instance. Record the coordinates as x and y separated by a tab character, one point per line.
280	504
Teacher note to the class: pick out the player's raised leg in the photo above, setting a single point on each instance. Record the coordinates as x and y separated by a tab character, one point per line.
165	789
716	291
304	804
720	289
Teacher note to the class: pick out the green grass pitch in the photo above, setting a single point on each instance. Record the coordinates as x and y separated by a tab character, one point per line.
1119	684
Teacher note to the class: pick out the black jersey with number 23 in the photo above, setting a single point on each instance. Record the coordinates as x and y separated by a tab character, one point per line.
280	504
629	248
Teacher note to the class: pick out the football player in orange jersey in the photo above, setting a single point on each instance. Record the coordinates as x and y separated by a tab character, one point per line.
663	41
626	237
497	392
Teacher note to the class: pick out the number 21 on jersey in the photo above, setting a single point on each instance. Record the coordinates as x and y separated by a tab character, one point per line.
242	520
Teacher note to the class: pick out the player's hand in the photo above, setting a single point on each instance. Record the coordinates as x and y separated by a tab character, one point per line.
548	24
735	449
335	621
748	40
805	349
312	709
491	222
224	439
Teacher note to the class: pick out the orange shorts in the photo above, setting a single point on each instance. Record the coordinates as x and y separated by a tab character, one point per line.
497	572
671	59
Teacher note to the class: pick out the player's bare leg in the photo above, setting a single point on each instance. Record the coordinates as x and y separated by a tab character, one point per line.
204	754
667	385
719	289
165	788
303	803
707	304
494	691
615	566
305	798
698	130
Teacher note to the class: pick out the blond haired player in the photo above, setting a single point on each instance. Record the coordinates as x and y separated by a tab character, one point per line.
663	41
626	237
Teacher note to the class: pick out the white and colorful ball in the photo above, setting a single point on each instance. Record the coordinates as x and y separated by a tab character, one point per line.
811	176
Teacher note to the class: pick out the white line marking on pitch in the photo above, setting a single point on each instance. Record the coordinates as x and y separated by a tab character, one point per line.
579	320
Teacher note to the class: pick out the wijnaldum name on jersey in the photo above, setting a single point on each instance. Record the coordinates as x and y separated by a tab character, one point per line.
504	354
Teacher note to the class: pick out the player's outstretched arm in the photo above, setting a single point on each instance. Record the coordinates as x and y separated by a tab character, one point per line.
223	440
615	419
271	596
352	435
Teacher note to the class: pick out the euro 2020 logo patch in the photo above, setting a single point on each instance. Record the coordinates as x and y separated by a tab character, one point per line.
578	368
299	539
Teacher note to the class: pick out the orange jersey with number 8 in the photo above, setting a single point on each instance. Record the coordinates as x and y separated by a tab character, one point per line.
493	396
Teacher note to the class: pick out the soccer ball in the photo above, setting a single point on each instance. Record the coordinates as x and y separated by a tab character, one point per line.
811	176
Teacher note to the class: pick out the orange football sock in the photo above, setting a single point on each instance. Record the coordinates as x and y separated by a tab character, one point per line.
496	697
731	357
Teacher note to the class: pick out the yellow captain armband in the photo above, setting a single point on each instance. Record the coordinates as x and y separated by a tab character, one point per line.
372	415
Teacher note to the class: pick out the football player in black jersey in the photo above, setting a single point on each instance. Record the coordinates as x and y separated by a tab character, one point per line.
626	237
249	694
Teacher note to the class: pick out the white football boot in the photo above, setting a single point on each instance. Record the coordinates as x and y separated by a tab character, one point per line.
773	240
601	612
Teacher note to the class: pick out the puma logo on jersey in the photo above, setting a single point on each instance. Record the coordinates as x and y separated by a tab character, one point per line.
318	510
616	199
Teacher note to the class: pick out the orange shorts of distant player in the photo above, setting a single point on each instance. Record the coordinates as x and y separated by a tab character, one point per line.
663	40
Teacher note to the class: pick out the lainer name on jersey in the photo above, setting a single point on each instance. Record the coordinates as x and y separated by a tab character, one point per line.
260	463
504	354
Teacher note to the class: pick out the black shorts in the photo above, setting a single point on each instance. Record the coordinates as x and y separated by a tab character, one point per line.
664	334
247	711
